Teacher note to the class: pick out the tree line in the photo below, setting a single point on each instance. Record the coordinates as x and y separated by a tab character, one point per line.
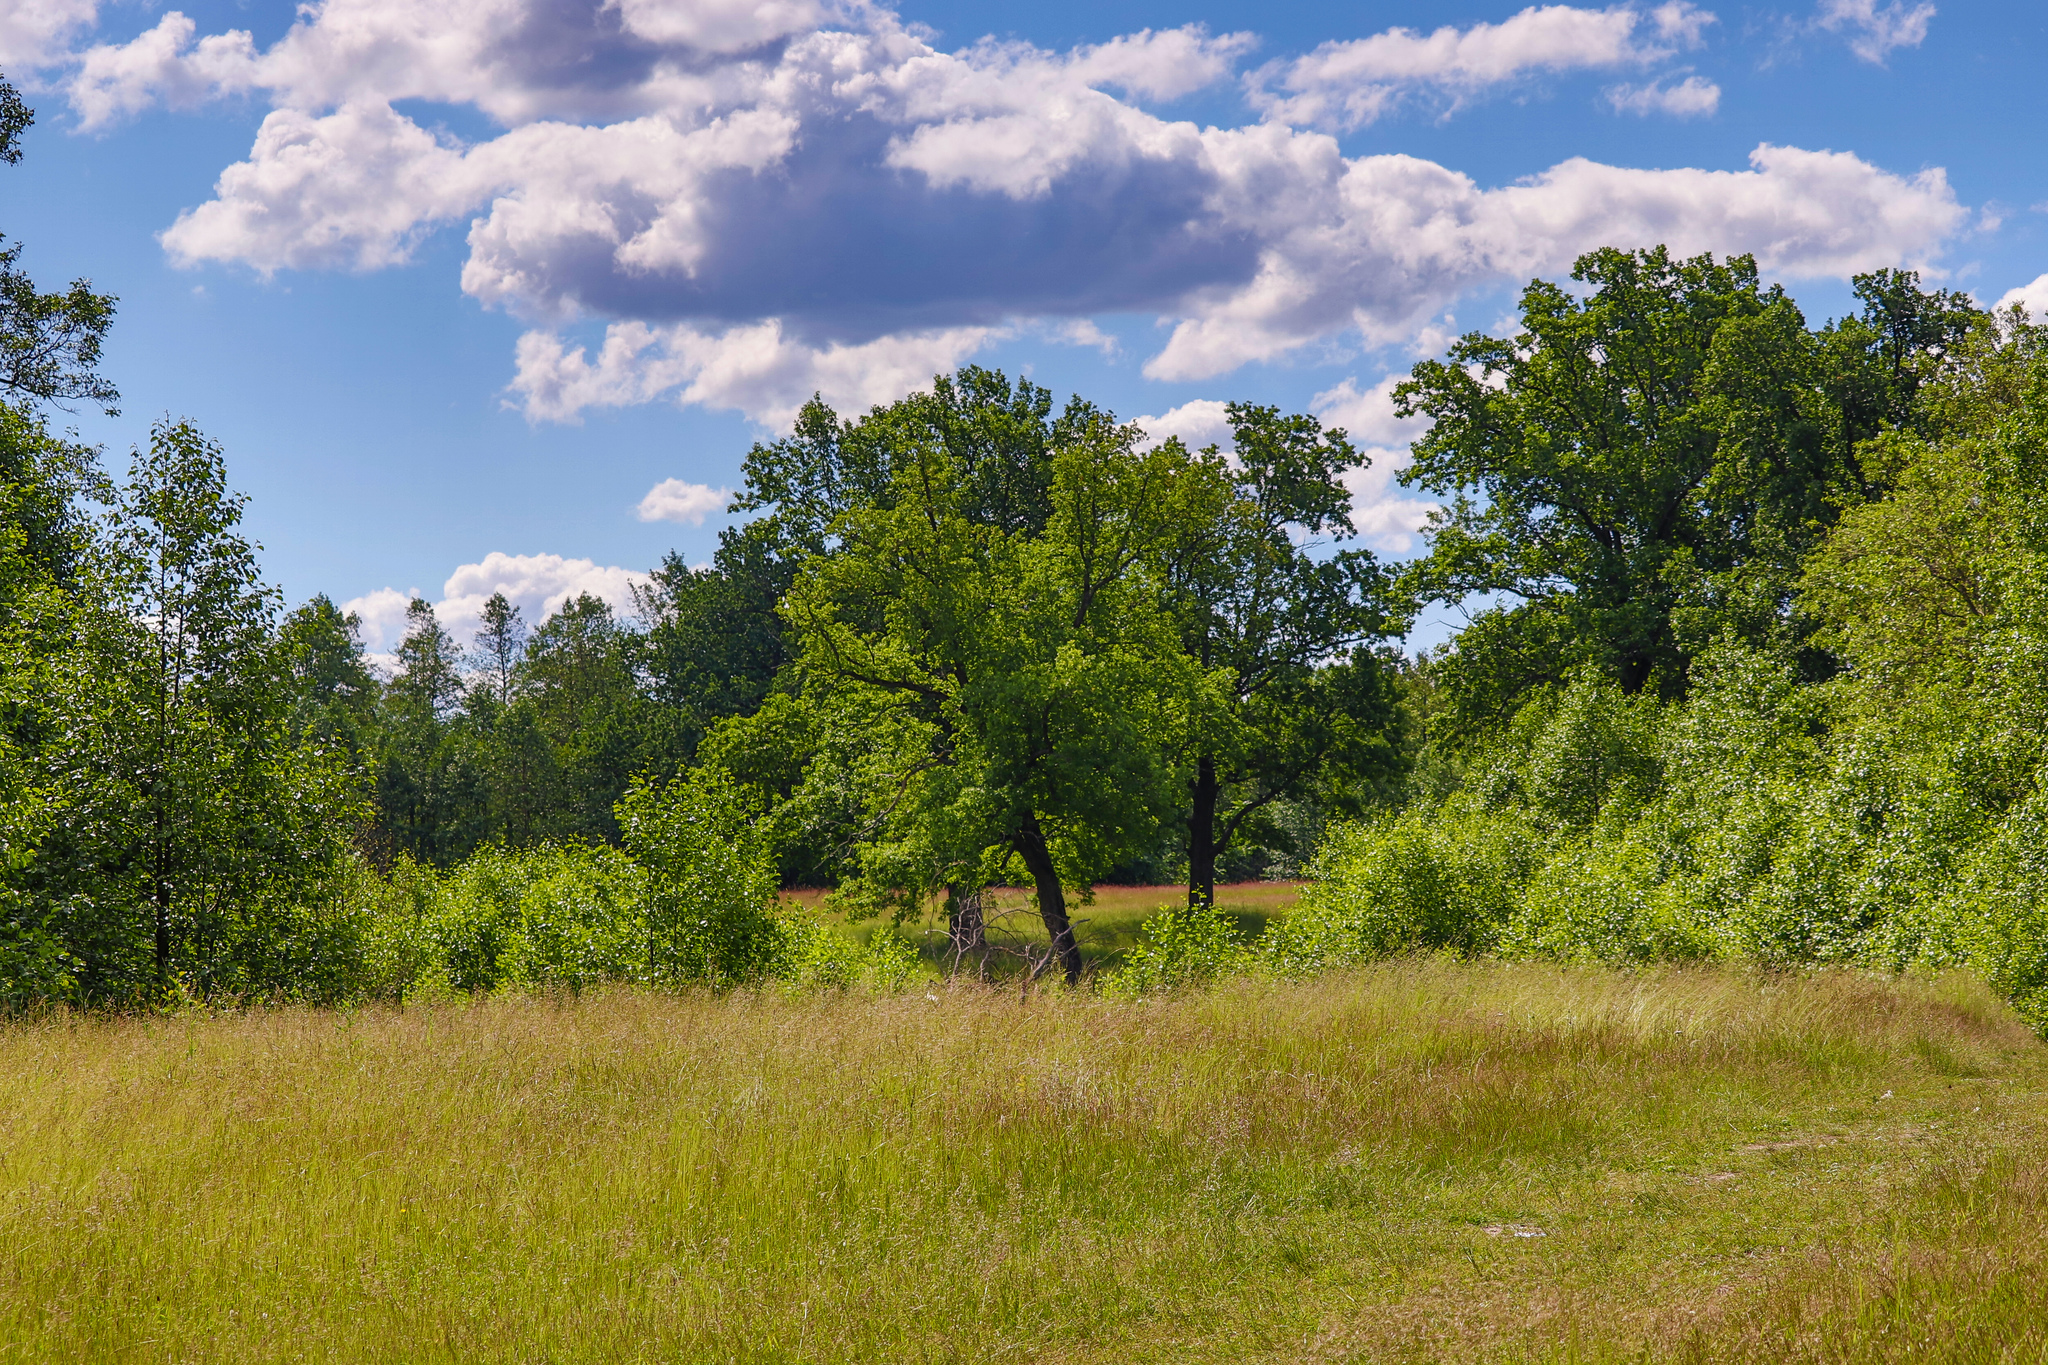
964	639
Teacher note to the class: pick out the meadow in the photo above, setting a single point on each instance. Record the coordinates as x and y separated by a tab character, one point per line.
1416	1160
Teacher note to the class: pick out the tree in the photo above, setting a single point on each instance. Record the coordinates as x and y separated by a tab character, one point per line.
1258	605
432	801
192	827
193	584
500	644
579	674
1640	470
1022	693
49	343
337	694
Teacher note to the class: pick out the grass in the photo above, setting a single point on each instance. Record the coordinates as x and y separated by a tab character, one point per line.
1423	1161
1106	927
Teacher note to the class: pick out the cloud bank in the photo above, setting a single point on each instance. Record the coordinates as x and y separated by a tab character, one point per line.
765	200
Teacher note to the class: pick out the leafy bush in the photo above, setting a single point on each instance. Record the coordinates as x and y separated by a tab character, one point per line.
1442	879
1182	945
709	906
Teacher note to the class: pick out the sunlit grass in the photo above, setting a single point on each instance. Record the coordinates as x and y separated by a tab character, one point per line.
1106	926
1420	1161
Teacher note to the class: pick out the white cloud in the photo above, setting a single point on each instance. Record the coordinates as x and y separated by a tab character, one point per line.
1875	29
1688	98
1162	65
1345	84
356	188
1387	519
1083	332
1367	415
675	500
161	65
1199	424
766	201
35	33
2032	297
756	369
539	585
1380	244
382	614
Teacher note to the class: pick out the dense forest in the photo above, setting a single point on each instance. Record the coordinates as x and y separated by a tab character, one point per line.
1755	670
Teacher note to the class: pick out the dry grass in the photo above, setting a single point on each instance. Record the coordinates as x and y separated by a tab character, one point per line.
1418	1162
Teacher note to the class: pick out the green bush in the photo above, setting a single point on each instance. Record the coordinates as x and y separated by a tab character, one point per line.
1182	945
1448	878
709	904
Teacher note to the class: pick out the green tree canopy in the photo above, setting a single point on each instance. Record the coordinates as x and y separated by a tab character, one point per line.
1260	606
1024	693
1642	466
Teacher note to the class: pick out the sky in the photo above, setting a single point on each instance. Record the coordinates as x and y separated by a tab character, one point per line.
494	295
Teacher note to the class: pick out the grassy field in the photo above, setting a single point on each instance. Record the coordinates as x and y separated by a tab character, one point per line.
1423	1161
1106	928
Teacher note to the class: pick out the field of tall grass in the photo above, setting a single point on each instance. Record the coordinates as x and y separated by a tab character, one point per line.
1415	1161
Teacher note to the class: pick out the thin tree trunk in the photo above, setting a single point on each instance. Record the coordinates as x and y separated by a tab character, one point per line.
1032	847
966	922
1202	834
160	905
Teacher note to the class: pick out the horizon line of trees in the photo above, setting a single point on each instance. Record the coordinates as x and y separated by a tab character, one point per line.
963	639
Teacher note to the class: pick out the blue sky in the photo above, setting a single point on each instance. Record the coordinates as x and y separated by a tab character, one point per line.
496	293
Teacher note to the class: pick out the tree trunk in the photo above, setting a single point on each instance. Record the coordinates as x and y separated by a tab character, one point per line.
160	900
1052	900
1202	834
966	922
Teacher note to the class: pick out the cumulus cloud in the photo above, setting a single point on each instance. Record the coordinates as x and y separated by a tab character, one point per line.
675	500
381	617
1382	243
1688	98
1387	518
1343	85
762	201
757	369
1162	65
2032	297
1874	29
36	33
539	585
1367	415
1199	424
163	65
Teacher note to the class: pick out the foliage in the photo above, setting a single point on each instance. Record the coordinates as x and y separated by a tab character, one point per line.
1281	621
1641	468
1184	945
711	880
1014	691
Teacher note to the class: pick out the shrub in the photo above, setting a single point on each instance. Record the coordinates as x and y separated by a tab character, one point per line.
1447	878
709	904
1608	900
1182	945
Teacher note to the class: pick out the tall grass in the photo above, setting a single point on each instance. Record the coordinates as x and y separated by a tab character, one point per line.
1417	1160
